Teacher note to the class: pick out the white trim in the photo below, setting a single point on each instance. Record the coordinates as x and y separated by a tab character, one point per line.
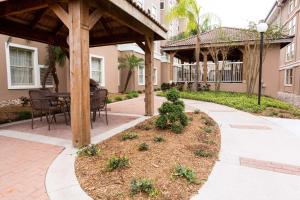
290	65
285	74
141	83
36	69
102	68
135	48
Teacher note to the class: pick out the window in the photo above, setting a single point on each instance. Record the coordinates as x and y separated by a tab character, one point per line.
22	66
43	70
292	5
289	77
290	52
154	12
155	76
292	26
140	3
141	75
162	4
97	69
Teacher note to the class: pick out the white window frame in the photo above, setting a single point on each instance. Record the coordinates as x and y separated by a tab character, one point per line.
102	68
285	77
154	11
292	5
292	26
155	76
143	82
290	52
47	86
36	69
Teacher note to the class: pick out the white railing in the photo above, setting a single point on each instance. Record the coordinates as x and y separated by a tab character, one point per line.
231	73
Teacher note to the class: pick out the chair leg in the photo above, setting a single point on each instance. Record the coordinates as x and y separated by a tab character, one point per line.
54	117
65	115
106	115
48	121
32	116
91	123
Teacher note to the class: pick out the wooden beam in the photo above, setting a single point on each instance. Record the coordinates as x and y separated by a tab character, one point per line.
116	39
58	28
94	18
79	72
12	7
39	15
22	31
106	26
149	67
141	45
61	14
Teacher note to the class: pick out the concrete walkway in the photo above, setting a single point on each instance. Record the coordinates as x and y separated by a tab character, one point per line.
259	159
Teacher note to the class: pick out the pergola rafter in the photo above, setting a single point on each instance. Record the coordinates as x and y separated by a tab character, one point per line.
77	25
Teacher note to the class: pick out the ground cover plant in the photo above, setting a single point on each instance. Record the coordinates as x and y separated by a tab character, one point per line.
241	101
155	173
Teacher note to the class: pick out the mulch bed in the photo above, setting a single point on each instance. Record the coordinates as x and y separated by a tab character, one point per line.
157	163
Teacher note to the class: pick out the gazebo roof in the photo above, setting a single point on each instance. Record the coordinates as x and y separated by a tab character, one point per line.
122	21
219	37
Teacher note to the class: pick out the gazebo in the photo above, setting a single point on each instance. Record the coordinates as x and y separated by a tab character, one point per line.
77	25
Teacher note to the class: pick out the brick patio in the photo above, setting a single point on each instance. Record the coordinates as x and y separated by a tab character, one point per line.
23	168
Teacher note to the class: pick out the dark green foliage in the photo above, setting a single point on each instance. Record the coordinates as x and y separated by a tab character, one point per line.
129	136
172	113
203	153
184	172
158	139
143	147
165	86
143	185
108	101
117	163
90	150
119	98
22	115
132	94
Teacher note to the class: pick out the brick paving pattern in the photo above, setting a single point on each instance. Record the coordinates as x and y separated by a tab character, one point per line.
23	166
271	166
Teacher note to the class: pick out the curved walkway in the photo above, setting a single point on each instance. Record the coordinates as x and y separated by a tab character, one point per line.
259	159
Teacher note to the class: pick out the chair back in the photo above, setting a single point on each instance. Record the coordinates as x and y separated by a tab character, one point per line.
98	100
38	99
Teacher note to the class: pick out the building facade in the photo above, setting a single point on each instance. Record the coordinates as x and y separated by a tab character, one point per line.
23	63
285	13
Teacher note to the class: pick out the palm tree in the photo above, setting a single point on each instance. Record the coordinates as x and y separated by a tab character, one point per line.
130	62
209	21
56	55
190	10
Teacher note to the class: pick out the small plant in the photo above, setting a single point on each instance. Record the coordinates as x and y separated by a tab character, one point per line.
129	136
119	98
197	111
203	153
108	101
145	127
117	163
177	128
129	96
143	147
158	139
207	129
184	172
209	142
208	121
24	101
90	150
143	185
22	115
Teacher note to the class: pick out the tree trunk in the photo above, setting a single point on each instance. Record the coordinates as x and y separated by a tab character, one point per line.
55	77
127	80
45	77
197	56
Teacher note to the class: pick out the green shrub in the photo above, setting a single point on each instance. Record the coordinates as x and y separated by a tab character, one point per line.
117	163
90	150
165	86
129	96
129	136
172	113
203	153
143	185
207	129
143	147
158	139
119	98
108	101
184	172
197	111
22	115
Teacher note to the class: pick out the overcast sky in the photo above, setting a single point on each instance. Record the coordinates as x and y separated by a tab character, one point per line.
237	13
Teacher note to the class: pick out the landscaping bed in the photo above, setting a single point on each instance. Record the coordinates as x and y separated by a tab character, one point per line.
13	113
147	162
269	106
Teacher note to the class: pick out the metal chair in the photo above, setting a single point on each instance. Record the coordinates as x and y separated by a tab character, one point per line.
99	103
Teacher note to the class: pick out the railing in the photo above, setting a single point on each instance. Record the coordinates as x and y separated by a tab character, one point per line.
231	73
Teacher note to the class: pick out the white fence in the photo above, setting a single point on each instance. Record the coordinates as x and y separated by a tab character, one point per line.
231	73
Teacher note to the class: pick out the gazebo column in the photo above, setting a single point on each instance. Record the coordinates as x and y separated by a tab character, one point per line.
149	67
205	54
172	55
79	72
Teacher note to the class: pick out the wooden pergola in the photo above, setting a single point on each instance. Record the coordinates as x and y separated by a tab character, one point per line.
77	25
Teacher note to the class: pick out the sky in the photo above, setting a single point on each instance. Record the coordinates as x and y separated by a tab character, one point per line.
237	13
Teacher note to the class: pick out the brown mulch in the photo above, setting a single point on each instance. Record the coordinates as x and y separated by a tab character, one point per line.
280	113
11	113
157	163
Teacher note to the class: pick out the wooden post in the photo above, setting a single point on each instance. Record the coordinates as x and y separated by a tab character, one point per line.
79	72
172	54
149	67
182	71
205	53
